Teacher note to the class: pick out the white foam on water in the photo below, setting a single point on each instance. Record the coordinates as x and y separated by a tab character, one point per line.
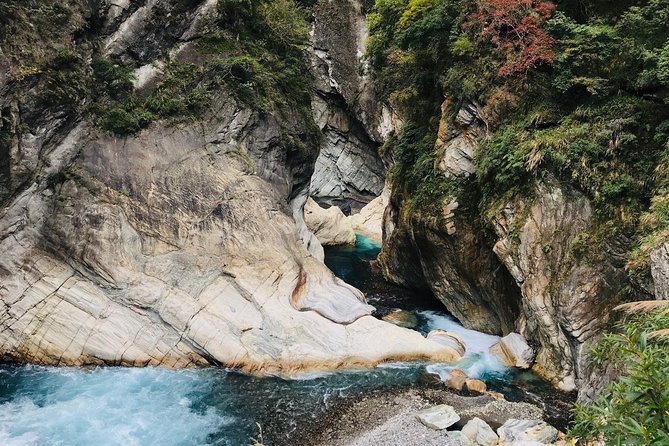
478	361
107	407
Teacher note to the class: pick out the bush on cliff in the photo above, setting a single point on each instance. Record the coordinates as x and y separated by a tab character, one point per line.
635	408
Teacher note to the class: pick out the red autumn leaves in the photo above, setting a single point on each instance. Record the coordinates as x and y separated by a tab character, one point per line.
516	30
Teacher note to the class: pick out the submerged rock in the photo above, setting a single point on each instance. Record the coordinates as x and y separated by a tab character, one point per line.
402	318
438	417
480	433
514	351
527	430
330	226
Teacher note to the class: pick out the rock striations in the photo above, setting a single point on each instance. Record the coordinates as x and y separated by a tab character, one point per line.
184	245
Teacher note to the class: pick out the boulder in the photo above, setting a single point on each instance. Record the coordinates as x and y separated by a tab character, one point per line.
402	318
369	221
448	339
457	438
456	379
515	430
476	385
330	226
480	433
514	351
438	417
497	396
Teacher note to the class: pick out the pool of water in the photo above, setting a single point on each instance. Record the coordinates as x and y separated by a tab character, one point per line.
115	406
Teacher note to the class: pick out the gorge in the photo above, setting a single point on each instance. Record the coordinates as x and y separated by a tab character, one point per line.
276	210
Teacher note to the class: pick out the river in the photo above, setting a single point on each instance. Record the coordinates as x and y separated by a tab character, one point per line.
118	406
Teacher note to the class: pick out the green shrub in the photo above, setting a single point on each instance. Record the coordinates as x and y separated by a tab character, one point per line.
123	122
635	408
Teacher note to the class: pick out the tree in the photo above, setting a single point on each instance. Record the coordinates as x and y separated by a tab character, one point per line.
516	30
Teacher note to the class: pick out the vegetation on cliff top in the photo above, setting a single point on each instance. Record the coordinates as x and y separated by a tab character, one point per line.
578	89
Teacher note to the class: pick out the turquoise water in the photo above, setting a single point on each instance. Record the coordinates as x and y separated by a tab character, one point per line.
114	406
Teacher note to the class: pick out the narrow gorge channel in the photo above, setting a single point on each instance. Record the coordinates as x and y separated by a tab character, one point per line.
110	406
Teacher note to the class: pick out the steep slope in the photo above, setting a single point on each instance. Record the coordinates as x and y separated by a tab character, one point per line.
156	219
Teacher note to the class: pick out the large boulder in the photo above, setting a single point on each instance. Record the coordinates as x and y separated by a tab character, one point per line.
438	417
330	225
402	318
514	351
369	221
527	431
480	433
448	339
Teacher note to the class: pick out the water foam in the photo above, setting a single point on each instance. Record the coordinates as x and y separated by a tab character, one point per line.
104	407
478	362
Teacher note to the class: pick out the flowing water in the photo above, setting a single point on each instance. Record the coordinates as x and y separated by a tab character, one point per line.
115	406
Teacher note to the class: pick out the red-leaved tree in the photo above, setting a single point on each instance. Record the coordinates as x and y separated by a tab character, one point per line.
516	29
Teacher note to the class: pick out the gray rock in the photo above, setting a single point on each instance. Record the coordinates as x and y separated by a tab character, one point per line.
480	433
345	106
527	430
457	438
438	417
565	303
659	268
514	351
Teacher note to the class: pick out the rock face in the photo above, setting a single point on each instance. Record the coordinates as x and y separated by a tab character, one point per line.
330	226
565	302
513	351
659	267
345	106
438	417
450	257
514	270
185	245
457	139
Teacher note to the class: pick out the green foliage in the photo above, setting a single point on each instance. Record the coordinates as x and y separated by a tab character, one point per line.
256	53
63	80
110	78
597	118
635	408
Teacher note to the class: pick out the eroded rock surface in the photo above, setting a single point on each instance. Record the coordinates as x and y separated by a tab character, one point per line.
330	226
565	302
185	245
345	105
369	221
451	257
514	351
